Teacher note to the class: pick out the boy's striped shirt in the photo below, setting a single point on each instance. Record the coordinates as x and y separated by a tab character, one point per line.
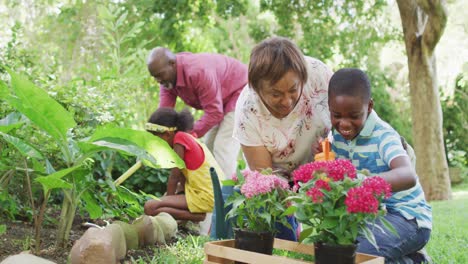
373	149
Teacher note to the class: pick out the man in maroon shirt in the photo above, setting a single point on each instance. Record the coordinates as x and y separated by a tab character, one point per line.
208	82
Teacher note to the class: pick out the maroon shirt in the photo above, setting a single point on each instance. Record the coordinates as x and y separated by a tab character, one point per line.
208	82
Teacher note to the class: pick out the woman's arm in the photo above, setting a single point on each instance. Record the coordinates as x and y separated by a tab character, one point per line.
401	174
258	157
176	175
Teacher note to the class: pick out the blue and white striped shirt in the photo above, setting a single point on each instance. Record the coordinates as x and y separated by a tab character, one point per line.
373	149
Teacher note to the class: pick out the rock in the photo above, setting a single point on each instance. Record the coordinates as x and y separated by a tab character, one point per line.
131	235
168	225
118	240
158	231
94	247
144	227
25	258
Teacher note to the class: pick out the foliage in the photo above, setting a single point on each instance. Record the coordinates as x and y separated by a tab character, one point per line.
8	204
75	179
455	123
260	203
335	204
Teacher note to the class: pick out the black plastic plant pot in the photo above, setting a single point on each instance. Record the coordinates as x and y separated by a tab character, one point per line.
260	242
336	254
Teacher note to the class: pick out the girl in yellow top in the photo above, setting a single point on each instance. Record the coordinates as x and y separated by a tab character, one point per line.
196	199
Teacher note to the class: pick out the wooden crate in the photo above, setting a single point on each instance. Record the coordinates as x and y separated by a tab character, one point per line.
223	251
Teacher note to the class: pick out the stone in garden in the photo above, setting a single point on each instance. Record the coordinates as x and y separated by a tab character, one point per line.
118	240
94	247
168	225
25	258
131	235
144	227
158	231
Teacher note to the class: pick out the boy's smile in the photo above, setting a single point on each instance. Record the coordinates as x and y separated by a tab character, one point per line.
348	114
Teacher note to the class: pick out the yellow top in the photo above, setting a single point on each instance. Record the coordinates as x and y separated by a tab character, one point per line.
198	185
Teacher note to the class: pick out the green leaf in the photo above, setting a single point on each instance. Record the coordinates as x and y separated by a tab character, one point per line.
289	211
42	110
11	121
24	148
369	236
127	147
389	226
54	180
91	206
228	183
306	233
4	91
329	223
2	229
164	155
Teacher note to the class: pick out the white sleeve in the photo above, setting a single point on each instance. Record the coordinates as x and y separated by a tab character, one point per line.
246	123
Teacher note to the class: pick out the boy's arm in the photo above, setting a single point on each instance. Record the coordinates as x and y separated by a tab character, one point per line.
401	174
176	175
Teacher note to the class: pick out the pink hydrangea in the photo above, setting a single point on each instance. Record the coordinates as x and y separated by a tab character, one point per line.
257	183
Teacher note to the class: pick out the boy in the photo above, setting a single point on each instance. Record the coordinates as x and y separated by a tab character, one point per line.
370	143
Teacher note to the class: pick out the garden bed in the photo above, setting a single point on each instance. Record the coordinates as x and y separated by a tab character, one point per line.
223	251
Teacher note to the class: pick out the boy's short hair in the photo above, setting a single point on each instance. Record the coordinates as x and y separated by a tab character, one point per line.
351	82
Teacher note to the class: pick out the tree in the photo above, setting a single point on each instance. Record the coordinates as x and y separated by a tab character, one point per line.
423	23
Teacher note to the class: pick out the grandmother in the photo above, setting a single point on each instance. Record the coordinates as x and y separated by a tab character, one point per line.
282	113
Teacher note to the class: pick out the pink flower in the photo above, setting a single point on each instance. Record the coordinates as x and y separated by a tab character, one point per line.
335	169
257	183
379	186
361	200
322	184
316	194
338	169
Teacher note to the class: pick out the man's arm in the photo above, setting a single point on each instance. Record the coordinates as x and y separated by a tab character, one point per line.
166	97
210	95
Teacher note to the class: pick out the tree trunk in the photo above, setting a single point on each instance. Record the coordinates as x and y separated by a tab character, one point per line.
423	22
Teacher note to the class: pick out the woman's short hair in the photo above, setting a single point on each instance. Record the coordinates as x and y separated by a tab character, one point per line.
272	58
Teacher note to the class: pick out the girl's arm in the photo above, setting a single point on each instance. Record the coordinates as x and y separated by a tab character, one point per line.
176	175
401	174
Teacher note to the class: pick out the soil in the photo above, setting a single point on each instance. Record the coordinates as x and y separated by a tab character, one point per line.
19	237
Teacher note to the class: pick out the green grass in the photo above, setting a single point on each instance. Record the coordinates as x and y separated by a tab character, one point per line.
448	243
449	238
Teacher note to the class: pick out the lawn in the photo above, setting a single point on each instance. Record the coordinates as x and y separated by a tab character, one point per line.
448	244
449	239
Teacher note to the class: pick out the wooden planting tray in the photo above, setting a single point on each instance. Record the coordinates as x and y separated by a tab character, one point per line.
223	251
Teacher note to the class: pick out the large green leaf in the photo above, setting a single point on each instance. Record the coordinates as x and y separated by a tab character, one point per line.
54	180
164	155
42	110
24	148
11	121
91	205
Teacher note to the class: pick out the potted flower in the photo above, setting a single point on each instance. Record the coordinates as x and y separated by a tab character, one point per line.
335	205
257	205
